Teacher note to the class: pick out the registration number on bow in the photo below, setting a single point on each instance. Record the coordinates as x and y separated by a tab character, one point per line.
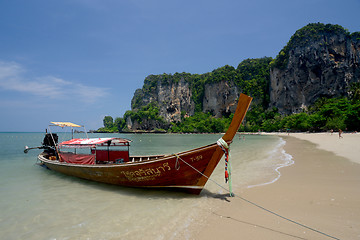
196	158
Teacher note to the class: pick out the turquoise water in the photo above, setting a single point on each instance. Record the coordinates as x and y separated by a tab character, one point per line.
37	203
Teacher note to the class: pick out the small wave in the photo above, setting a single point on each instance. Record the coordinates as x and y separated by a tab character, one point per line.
286	160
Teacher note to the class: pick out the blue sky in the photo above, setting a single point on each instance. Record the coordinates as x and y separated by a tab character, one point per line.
81	60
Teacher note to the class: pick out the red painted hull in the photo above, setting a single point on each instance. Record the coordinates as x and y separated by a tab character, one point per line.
165	172
187	171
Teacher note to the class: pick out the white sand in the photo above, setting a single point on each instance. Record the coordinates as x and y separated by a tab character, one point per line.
348	146
321	190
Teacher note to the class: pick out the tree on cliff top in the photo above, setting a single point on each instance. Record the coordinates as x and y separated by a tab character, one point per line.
254	79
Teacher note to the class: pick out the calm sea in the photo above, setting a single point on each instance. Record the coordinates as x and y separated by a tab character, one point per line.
37	203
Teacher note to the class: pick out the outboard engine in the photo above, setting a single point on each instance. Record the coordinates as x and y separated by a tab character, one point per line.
50	140
49	143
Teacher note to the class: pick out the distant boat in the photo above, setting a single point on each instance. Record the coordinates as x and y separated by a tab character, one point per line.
107	160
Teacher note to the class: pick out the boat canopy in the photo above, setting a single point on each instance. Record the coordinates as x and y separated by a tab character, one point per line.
65	124
92	142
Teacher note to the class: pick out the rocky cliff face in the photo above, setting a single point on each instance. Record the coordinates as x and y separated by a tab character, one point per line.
145	125
319	61
220	99
323	67
175	98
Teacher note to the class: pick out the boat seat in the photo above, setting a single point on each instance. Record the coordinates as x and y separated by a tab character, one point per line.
111	156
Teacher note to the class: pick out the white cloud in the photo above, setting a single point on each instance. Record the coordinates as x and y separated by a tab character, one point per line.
13	78
9	69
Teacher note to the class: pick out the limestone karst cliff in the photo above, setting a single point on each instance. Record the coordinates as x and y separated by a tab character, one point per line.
220	99
171	96
320	60
174	95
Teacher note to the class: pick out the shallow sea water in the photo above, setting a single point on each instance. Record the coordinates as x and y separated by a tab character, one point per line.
37	203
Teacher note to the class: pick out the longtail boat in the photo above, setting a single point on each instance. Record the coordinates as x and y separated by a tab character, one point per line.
107	160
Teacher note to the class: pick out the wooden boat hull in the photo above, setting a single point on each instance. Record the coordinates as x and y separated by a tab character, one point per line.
187	171
166	172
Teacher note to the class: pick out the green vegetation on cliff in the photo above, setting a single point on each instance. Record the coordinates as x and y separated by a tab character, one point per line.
112	126
149	112
325	114
252	77
201	123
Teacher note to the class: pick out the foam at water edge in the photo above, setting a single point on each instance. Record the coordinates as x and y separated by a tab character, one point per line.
287	161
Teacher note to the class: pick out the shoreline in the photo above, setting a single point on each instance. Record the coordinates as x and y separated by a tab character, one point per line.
320	190
345	146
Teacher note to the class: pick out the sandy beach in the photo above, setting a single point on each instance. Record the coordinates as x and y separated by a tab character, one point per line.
320	190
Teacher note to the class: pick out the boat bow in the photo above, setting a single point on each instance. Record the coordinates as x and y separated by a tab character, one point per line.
239	115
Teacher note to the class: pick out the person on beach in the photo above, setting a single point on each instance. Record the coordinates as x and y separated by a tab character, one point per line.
340	132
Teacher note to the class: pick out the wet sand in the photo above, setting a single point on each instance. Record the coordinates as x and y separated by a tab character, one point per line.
321	190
